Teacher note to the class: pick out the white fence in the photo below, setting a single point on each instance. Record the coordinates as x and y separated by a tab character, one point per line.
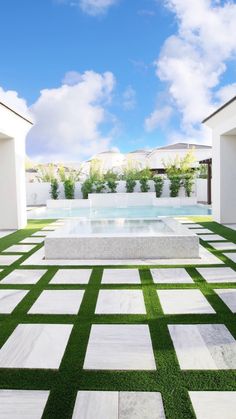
39	193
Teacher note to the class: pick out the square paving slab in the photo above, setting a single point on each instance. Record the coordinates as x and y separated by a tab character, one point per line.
23	276
212	237
224	246
58	302
121	276
118	405
204	346
39	233
223	274
120	302
214	404
9	299
71	276
229	297
231	256
119	347
184	302
194	225
171	276
35	346
7	260
202	231
20	248
32	240
22	404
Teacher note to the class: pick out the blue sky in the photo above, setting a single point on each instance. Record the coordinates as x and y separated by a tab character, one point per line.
136	73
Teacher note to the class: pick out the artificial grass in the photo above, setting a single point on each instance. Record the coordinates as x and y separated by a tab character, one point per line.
169	379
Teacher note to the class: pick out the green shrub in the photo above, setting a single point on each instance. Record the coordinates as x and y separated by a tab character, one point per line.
69	188
144	186
54	189
158	185
112	185
87	187
130	184
175	185
100	185
188	182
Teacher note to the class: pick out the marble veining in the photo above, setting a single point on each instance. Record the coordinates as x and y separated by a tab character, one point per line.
229	297
231	256
223	274
184	302
58	302
22	404
212	237
169	276
24	276
224	246
214	404
71	276
9	299
121	276
120	302
7	260
20	248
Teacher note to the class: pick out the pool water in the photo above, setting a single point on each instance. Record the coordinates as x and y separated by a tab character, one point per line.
127	212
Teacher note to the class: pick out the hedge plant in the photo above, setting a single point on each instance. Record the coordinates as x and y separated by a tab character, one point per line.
158	185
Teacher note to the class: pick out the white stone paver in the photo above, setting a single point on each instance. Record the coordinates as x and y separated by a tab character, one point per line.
184	302
71	276
39	233
224	246
23	276
214	404
171	275
20	248
204	346
212	237
7	260
118	405
58	302
119	347
9	299
22	404
35	346
218	275
120	302
194	225
202	231
49	228
229	297
232	226
4	233
121	276
231	256
32	240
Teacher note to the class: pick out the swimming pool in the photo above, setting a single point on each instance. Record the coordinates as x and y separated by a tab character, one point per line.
126	212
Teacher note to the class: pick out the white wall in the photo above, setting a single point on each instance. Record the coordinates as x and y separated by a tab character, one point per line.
39	193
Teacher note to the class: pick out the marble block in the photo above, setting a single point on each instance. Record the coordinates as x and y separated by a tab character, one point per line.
212	237
204	346
184	302
119	347
171	276
9	299
71	276
121	276
224	246
202	231
20	248
7	260
35	346
223	274
118	405
120	302
24	276
39	233
229	297
22	404
32	240
214	404
231	256
58	302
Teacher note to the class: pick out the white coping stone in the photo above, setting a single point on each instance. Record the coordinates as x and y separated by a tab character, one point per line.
212	237
39	233
121	276
23	276
171	276
9	299
229	297
119	347
231	256
206	258
118	405
202	231
20	248
58	302
35	346
184	302
22	404
184	220
214	404
224	246
32	240
120	302
204	346
223	274
6	260
71	276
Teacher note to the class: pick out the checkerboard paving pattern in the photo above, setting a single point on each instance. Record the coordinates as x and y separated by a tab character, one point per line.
104	343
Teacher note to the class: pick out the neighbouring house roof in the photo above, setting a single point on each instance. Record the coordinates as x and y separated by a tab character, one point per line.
139	151
182	146
16	113
219	109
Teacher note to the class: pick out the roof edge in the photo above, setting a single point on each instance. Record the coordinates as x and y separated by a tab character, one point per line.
16	113
219	109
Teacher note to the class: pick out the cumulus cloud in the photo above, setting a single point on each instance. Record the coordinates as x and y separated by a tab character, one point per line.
15	102
129	98
193	61
68	119
91	7
159	117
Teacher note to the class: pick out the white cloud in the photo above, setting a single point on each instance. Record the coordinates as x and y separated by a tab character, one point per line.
69	118
91	7
192	61
225	93
158	117
12	99
129	98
